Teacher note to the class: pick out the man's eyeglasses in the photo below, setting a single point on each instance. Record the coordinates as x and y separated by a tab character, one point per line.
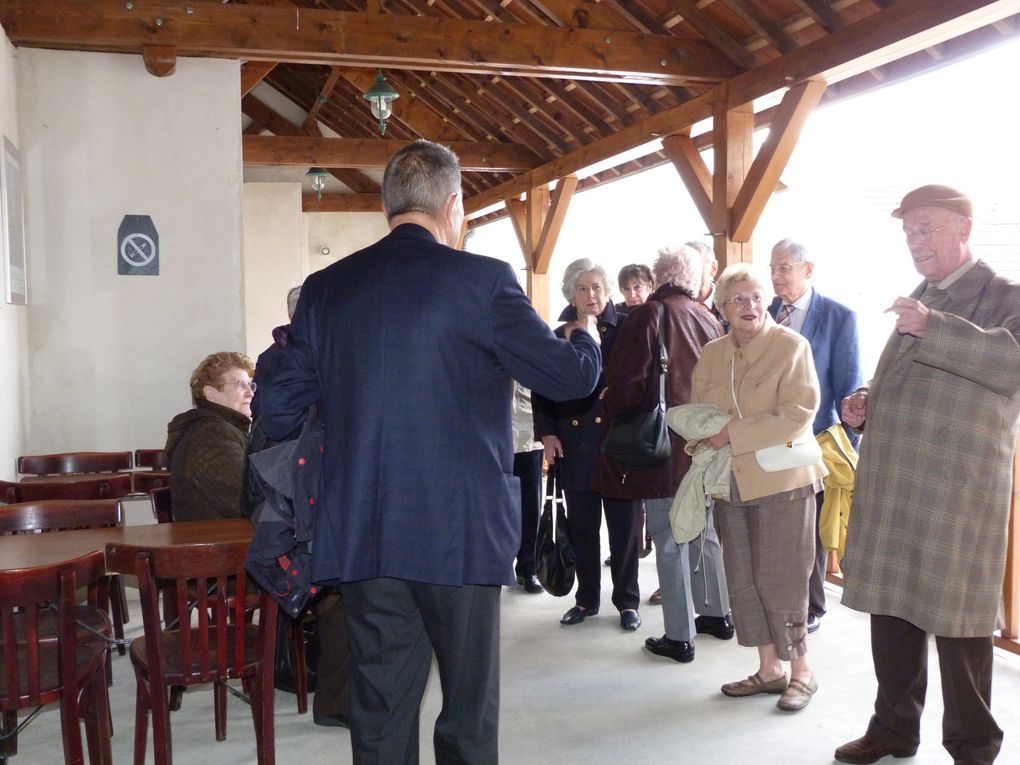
924	233
784	268
756	298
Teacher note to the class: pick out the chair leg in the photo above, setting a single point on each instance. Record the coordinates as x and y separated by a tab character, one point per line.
70	726
97	716
176	697
142	705
220	709
297	645
118	610
262	713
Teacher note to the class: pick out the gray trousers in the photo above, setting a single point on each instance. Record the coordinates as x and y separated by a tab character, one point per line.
691	575
395	626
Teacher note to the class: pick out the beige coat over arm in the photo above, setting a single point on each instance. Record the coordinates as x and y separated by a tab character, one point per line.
927	536
777	390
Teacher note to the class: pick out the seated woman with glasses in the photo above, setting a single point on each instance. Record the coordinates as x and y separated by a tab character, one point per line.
205	445
761	376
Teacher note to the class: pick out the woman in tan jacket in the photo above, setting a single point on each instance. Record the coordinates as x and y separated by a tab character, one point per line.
763	375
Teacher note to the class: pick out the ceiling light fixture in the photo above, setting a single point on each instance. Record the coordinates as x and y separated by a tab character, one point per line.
318	178
381	97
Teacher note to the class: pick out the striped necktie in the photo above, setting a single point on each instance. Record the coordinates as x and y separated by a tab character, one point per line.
784	315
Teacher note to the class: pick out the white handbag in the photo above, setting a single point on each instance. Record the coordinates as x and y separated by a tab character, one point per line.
801	452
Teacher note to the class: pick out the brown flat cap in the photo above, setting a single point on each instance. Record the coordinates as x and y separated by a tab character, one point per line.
936	196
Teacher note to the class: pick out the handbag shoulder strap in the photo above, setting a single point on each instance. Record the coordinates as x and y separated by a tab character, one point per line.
662	363
733	388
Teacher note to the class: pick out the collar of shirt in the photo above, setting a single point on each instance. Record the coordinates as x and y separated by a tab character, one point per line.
957	274
800	307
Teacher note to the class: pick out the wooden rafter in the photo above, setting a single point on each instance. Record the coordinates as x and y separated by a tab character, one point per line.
763	25
342	203
697	177
254	72
322	98
362	39
711	31
300	151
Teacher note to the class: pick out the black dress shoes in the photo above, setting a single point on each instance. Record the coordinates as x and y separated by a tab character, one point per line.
717	626
630	620
866	750
530	583
677	650
578	614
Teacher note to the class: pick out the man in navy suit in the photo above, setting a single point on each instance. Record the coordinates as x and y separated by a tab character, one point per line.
831	330
409	347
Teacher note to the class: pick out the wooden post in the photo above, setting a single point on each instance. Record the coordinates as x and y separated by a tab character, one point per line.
733	141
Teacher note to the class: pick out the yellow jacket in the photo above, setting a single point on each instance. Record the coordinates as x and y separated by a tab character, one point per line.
840	458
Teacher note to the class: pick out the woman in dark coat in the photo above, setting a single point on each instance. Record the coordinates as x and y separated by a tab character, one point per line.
571	433
691	575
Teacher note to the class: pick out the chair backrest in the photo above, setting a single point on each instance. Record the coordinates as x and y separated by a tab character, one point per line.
151	458
74	462
162	504
103	486
59	515
211	580
27	596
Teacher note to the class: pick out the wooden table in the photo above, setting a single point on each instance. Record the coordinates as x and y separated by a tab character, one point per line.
28	550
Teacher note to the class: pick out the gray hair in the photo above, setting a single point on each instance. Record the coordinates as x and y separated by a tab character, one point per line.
420	178
680	267
797	251
292	297
578	268
741	273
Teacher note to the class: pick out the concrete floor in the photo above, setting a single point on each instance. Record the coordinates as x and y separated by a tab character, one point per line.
589	694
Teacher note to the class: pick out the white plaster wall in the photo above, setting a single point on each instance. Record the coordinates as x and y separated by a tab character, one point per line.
275	258
342	233
111	355
14	398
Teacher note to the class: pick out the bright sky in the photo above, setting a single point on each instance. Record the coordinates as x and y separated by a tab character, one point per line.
855	159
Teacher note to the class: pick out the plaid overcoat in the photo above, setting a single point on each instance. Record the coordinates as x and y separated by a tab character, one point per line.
927	536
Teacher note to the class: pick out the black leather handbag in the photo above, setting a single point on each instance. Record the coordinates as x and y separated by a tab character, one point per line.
554	552
643	438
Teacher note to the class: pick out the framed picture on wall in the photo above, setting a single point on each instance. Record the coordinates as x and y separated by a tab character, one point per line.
13	212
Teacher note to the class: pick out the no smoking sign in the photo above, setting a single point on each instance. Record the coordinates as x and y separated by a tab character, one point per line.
137	246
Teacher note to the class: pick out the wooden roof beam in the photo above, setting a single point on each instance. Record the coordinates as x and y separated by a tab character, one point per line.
707	28
480	156
342	203
254	72
327	37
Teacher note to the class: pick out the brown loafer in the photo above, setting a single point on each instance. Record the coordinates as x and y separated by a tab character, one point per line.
754	685
797	694
655	599
867	749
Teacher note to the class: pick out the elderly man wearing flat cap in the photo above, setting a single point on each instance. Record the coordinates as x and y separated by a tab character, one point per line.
926	546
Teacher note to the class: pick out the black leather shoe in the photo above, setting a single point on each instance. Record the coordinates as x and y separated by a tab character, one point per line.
530	583
716	626
813	623
578	614
331	721
677	650
630	620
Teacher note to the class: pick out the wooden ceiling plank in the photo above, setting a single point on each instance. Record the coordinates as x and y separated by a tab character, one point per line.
822	13
711	31
332	38
559	202
693	171
254	72
763	25
480	156
342	203
768	165
906	26
509	102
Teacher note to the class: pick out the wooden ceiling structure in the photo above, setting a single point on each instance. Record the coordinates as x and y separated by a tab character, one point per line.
533	94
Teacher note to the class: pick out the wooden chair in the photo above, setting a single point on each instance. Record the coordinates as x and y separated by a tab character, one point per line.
62	515
224	644
162	508
158	474
71	669
100	486
74	462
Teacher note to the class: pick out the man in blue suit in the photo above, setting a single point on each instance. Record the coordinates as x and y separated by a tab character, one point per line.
831	330
409	347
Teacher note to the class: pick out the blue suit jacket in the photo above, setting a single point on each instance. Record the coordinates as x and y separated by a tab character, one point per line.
831	330
409	346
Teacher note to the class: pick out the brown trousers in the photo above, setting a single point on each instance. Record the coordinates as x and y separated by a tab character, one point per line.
900	652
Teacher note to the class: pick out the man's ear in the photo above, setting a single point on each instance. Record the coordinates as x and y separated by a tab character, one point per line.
809	268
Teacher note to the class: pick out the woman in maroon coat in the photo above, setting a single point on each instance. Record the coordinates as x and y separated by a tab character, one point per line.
691	574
